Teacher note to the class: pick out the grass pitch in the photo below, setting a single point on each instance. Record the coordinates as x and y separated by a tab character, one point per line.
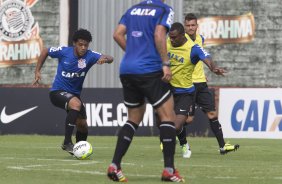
26	159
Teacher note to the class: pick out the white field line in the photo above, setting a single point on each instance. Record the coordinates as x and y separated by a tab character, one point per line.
74	164
36	167
72	161
55	147
224	177
127	174
86	162
43	159
208	166
76	171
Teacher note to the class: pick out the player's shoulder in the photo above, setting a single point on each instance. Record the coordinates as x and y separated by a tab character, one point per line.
149	7
190	42
155	3
164	5
202	37
59	48
93	52
196	48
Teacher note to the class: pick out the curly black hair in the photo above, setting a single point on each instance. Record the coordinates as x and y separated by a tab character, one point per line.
82	34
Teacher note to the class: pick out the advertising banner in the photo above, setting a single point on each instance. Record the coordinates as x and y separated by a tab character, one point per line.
227	29
29	111
20	42
251	112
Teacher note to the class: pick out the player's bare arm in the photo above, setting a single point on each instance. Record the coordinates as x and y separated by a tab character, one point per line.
40	62
212	66
160	41
105	59
119	36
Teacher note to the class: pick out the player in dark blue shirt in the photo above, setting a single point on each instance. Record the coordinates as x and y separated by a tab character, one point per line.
145	73
73	65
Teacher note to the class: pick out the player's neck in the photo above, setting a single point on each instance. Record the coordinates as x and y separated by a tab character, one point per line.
184	41
193	37
76	54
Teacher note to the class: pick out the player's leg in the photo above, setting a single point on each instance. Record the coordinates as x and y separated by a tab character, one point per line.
159	95
167	131
207	104
184	105
81	125
135	103
217	130
181	135
167	137
81	130
125	137
72	105
206	101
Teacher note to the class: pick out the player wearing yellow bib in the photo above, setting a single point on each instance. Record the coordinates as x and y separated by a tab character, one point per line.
184	54
203	97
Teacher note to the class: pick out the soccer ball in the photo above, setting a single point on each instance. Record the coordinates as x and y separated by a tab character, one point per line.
82	150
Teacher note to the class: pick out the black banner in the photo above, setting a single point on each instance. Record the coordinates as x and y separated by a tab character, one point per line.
29	111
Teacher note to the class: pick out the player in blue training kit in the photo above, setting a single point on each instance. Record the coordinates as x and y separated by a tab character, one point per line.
74	63
145	73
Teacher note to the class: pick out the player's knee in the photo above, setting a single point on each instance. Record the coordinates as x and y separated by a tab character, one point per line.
211	114
166	112
157	119
178	127
189	119
166	116
75	104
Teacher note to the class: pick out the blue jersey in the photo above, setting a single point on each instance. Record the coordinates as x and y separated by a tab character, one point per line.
141	55
198	53
71	70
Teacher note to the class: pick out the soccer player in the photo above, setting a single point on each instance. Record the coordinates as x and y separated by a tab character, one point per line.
184	54
145	73
203	97
73	65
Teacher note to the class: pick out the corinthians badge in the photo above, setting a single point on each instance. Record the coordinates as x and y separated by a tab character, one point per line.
16	20
20	42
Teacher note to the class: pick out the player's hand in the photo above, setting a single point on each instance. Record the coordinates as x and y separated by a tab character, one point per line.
219	71
37	78
105	59
167	74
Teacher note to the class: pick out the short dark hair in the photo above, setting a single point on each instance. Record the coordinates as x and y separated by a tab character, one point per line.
178	27
82	34
190	16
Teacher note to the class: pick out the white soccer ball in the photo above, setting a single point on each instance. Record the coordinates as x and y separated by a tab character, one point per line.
82	150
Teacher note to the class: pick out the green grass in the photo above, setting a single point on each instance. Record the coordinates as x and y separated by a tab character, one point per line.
39	159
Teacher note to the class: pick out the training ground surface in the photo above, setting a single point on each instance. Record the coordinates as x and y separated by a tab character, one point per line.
26	159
